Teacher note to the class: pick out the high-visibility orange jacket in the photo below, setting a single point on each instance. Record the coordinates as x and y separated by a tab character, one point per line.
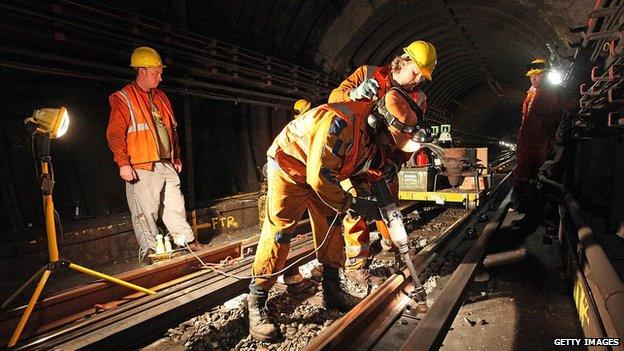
131	132
383	75
324	146
541	115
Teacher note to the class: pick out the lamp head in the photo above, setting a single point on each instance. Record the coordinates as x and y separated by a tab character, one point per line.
554	77
49	121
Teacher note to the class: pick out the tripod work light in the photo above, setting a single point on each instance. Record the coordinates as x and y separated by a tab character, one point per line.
46	124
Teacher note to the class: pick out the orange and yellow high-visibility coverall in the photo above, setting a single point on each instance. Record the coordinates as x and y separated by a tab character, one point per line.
541	114
355	229
306	163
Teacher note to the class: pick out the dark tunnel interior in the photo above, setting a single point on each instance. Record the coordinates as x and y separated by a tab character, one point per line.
236	67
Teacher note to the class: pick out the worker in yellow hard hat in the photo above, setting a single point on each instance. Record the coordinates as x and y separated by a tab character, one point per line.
301	106
542	111
306	163
406	71
142	136
536	67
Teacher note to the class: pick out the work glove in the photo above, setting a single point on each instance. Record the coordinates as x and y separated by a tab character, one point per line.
366	90
365	207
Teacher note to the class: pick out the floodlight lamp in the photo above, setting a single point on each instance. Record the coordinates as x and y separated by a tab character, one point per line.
554	77
49	121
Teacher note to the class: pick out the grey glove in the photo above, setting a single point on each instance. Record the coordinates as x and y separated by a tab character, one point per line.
366	90
366	208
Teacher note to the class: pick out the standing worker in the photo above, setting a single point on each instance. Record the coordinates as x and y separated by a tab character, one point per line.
306	162
142	136
542	110
367	83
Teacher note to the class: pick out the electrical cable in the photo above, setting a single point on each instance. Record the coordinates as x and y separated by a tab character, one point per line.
59	228
212	266
32	149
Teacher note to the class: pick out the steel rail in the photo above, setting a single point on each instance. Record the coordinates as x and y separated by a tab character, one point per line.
365	324
387	302
590	260
390	296
430	332
151	316
449	244
75	304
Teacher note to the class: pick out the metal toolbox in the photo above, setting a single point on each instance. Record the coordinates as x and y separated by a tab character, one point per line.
416	179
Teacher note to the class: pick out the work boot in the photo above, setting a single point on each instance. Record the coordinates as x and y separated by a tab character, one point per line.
363	277
259	325
333	295
298	285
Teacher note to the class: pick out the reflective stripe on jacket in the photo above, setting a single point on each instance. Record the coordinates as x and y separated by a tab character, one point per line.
324	146
383	77
131	133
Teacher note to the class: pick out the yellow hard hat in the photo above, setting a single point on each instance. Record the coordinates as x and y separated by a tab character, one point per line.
537	66
145	57
302	106
424	54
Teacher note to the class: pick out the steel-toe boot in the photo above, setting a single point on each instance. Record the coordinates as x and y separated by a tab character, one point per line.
333	295
259	325
363	276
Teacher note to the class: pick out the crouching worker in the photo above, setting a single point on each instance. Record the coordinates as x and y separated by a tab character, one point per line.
306	163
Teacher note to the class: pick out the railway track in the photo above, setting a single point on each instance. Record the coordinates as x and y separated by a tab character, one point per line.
391	320
131	324
184	291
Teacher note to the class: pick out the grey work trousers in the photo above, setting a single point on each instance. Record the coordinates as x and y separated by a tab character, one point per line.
157	193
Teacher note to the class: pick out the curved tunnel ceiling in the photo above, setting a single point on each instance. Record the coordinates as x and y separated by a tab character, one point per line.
483	45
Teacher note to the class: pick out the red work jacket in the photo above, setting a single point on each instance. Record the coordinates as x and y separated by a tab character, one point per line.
541	115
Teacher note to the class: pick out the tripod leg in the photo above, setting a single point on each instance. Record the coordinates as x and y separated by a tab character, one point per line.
31	305
23	287
97	274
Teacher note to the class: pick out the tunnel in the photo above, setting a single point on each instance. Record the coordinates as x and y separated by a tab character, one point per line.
234	70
